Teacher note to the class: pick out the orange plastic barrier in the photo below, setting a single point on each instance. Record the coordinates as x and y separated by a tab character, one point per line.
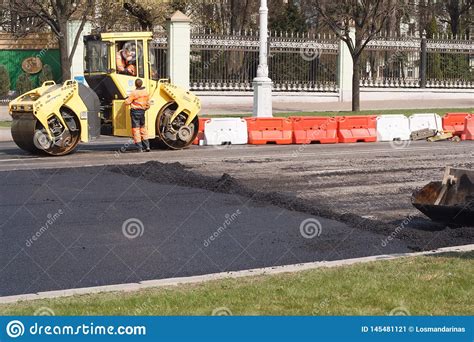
454	123
200	136
309	130
270	131
468	133
352	129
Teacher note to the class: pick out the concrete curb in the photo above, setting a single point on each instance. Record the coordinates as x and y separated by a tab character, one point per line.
4	113
225	275
5	134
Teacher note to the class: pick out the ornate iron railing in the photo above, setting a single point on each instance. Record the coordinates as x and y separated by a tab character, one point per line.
158	55
450	63
229	62
418	62
304	63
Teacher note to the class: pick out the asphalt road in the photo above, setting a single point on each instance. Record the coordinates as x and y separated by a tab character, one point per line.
90	240
107	151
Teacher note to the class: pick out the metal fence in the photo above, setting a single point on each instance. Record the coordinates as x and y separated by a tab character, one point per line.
158	56
223	62
227	62
304	63
418	62
450	63
391	63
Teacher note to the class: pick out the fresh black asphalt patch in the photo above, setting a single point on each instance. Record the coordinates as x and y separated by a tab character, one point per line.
417	232
83	227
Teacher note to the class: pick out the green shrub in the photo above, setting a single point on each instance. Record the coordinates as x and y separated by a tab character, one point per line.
24	83
4	81
46	74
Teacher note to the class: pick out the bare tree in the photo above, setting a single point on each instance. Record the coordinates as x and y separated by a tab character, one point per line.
54	14
457	14
454	12
368	17
143	16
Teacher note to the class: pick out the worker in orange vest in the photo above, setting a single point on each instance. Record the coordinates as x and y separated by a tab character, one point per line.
124	62
139	102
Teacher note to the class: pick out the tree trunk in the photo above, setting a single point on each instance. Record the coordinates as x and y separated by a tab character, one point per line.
356	84
454	24
64	52
454	15
235	15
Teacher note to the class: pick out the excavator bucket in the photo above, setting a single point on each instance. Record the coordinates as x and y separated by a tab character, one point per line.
450	201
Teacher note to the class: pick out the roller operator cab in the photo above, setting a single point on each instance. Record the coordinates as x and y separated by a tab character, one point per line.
55	118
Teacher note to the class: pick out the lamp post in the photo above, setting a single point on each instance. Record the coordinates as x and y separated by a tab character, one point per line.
262	98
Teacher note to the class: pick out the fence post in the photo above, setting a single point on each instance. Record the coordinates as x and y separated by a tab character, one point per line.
179	49
424	60
345	69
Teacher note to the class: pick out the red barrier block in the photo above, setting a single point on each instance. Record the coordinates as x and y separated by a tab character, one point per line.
310	130
352	129
454	123
270	131
468	133
200	136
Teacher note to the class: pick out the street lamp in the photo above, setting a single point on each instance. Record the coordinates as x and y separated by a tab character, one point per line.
262	98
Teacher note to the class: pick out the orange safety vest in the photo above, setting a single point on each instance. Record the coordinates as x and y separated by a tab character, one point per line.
139	99
120	61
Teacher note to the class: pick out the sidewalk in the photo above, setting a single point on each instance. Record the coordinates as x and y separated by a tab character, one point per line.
5	134
245	104
213	105
4	115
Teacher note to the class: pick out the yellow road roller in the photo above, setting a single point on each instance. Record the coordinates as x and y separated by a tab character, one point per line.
55	118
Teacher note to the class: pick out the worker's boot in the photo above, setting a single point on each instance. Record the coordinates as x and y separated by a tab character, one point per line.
146	148
144	137
139	146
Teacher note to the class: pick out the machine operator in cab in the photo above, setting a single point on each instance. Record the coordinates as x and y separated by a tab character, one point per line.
139	102
126	61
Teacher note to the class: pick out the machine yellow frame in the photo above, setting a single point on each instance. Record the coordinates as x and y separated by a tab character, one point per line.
161	91
95	108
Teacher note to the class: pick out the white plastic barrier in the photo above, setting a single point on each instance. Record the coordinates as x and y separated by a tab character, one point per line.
225	131
393	127
423	121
